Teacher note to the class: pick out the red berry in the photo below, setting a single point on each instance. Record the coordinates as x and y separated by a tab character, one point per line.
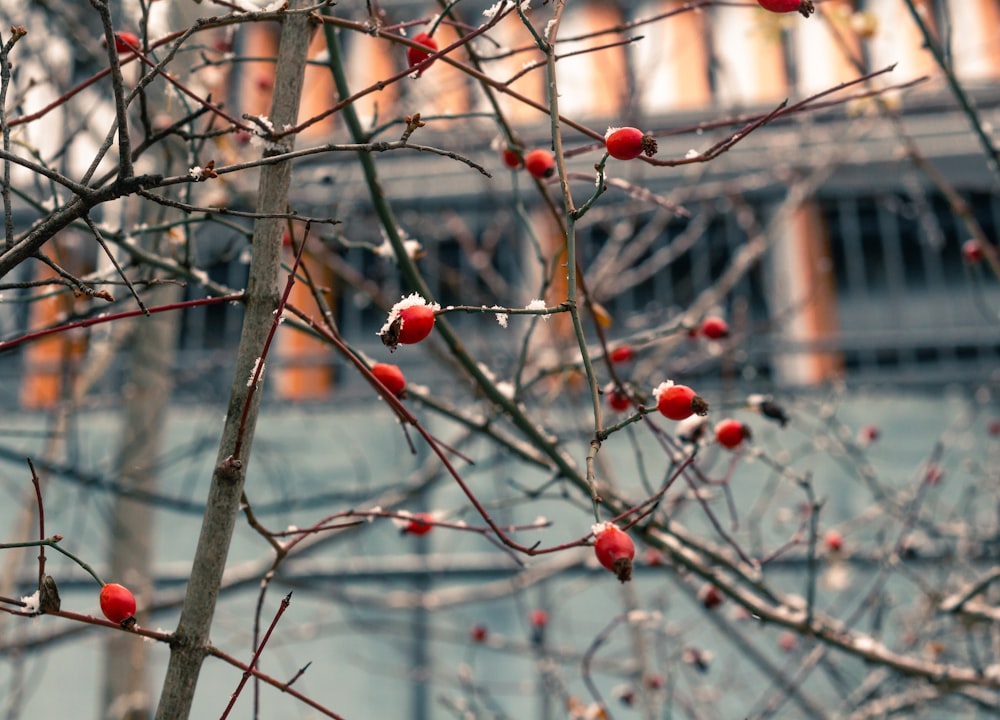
126	41
730	433
993	428
619	401
972	251
478	633
415	56
933	474
512	158
390	376
714	328
833	541
538	618
868	434
710	597
622	353
118	604
805	7
678	402
787	641
628	143
416	322
420	524
654	681
653	557
614	550
540	163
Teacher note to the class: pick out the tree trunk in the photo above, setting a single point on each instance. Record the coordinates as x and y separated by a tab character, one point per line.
223	503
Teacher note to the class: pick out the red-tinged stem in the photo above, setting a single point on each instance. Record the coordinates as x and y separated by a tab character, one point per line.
111	317
425	63
159	635
41	520
259	367
53	542
253	661
285	687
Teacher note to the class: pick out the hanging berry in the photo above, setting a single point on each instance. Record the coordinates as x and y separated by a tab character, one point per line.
678	402
614	549
803	7
540	163
714	328
390	376
628	143
710	596
126	41
418	524
972	251
730	433
618	400
512	158
415	56
621	354
118	604
478	634
833	541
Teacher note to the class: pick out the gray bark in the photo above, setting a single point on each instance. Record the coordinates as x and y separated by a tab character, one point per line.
222	508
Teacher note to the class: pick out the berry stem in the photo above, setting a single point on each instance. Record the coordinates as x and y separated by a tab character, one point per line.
440	16
53	542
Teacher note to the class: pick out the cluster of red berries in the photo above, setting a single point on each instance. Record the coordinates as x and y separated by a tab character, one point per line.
410	321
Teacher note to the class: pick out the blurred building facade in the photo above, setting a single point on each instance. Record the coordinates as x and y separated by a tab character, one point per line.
863	275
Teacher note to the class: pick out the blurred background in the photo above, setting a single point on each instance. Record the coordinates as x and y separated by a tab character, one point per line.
833	240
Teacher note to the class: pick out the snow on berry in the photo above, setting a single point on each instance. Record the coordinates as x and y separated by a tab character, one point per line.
118	604
414	523
804	7
415	56
628	143
409	321
678	402
614	549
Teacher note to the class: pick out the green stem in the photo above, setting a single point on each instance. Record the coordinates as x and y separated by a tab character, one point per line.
53	542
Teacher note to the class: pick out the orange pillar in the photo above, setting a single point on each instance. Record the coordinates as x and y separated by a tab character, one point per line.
805	289
593	83
751	61
511	33
671	63
45	360
303	371
977	24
